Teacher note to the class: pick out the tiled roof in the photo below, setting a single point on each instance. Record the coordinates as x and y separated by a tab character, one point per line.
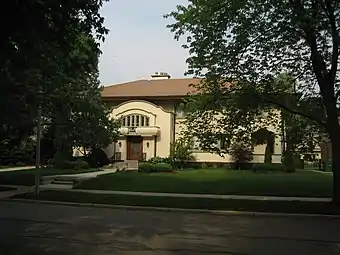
151	88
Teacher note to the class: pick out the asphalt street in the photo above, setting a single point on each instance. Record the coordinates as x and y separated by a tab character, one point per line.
57	229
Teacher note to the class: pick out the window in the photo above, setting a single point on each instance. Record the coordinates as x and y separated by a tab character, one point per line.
135	120
128	121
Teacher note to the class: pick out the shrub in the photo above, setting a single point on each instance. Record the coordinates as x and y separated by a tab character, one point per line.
146	167
162	167
97	158
215	165
317	164
181	152
268	167
68	164
81	164
187	165
292	161
205	166
62	164
157	160
241	153
299	163
12	154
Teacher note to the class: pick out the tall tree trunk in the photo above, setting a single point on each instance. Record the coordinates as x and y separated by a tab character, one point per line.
334	133
333	130
268	155
336	171
85	153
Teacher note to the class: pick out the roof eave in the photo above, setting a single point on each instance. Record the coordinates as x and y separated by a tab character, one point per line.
119	98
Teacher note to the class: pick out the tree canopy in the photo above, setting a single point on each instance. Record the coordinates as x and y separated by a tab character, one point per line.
254	41
49	59
249	44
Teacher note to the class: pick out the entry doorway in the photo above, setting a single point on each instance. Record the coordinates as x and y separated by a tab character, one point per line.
134	147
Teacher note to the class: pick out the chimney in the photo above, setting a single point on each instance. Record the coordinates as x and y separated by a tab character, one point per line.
160	76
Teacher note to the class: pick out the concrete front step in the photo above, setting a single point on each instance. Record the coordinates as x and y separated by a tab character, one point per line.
56	187
62	182
131	165
72	179
127	165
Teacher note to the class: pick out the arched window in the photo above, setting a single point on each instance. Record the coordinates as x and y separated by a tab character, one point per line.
135	120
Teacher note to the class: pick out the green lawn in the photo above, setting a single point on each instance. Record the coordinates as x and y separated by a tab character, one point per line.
189	203
26	177
219	181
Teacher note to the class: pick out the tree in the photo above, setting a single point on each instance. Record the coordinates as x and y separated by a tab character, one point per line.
49	59
80	117
250	42
219	122
41	35
92	127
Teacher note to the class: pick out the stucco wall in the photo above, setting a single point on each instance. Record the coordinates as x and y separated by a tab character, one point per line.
110	150
159	117
167	105
258	153
149	151
119	147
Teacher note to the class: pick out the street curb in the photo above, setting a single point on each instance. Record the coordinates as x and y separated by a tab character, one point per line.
166	209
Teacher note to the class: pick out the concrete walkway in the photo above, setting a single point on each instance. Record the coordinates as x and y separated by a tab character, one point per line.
19	168
26	189
212	196
84	175
70	179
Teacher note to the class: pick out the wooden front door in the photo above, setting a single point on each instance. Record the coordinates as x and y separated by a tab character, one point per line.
134	148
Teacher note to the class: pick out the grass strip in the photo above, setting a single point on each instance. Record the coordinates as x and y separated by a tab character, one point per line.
190	203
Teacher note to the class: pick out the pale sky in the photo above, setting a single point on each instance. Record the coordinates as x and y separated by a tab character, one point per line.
139	43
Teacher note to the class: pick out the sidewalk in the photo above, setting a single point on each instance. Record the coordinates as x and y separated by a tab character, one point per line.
19	168
212	196
18	190
58	187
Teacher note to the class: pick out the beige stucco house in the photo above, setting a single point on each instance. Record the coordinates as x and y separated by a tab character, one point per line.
152	120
